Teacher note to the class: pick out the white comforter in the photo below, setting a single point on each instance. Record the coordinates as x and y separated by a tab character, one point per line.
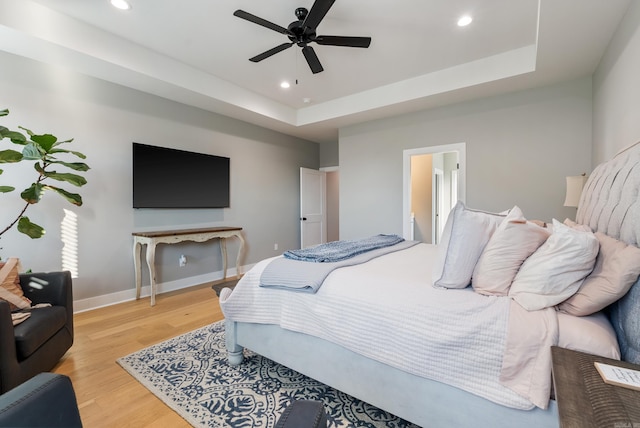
388	310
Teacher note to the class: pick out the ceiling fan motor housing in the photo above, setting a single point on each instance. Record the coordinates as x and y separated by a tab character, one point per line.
297	33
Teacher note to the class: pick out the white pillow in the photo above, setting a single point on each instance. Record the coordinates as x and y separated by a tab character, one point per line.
512	243
464	237
555	271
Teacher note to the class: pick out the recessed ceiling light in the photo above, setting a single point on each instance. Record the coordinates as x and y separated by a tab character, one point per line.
464	21
284	84
121	4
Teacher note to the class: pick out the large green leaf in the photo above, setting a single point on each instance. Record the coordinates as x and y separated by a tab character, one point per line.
6	189
76	166
10	156
74	179
4	112
46	141
74	198
14	136
32	152
32	194
30	229
61	142
78	154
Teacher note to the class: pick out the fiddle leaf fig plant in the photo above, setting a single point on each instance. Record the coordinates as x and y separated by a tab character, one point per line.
44	151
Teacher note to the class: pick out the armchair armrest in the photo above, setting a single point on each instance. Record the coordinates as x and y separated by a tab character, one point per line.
8	358
303	414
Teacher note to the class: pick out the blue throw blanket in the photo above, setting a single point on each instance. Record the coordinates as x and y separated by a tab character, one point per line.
337	251
286	274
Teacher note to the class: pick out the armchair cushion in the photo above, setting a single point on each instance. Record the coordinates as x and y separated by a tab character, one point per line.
40	327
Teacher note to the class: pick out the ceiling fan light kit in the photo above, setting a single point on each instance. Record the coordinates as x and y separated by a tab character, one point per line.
302	32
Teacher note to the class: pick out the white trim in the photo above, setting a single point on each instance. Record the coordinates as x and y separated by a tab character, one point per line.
461	148
437	188
83	305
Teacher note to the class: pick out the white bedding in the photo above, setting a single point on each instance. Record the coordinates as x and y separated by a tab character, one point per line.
452	336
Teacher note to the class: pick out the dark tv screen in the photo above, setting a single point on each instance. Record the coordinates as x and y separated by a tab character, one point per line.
171	178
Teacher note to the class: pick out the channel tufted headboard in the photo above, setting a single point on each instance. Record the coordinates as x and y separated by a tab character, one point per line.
610	203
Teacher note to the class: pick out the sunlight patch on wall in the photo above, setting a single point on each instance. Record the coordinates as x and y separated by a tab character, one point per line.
69	235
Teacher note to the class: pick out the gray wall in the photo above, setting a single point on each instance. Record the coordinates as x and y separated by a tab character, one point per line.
616	90
519	146
105	119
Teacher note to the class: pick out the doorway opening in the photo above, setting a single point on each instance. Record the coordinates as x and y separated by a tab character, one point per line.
433	181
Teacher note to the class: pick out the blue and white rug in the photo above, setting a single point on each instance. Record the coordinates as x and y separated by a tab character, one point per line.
190	374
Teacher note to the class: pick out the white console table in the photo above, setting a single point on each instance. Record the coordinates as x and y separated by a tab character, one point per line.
151	239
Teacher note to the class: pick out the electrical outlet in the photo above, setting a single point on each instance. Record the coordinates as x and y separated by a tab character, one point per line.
182	261
275	247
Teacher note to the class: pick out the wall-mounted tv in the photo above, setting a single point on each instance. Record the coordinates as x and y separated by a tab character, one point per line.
171	178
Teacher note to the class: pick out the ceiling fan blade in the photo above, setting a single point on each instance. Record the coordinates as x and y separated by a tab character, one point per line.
273	51
312	59
317	13
354	42
257	20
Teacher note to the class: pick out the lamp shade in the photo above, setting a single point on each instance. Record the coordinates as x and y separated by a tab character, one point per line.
574	190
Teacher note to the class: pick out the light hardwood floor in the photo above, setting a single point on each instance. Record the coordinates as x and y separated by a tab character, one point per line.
107	395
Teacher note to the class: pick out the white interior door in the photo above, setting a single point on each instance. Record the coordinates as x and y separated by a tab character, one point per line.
313	210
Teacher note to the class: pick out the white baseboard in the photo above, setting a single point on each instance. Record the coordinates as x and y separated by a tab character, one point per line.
83	305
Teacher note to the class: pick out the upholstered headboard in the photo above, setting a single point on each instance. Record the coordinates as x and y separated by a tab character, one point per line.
610	203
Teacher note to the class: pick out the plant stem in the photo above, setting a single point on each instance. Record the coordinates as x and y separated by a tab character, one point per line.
16	220
40	178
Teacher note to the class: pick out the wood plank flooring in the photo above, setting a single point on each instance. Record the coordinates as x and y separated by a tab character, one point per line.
107	395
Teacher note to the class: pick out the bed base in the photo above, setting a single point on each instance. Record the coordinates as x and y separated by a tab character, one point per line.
416	399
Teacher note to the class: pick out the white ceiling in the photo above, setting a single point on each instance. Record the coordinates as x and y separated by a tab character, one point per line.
196	52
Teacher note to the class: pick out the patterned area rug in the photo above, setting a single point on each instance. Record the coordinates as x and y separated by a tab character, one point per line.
190	374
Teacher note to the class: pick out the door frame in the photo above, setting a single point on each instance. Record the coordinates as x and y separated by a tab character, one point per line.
437	190
461	148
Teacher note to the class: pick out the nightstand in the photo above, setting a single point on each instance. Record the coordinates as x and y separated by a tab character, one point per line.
584	400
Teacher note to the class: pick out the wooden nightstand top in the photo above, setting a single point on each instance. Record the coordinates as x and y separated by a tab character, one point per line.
584	400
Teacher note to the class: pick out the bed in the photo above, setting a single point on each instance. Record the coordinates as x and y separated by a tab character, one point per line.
343	337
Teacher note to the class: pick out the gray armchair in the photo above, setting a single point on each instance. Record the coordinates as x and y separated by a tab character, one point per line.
37	344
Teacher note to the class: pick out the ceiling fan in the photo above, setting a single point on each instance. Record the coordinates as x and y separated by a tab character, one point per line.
303	31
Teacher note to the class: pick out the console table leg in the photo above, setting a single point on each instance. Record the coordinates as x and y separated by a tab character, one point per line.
240	254
136	265
223	250
151	255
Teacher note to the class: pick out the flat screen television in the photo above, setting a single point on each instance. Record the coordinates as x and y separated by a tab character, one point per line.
171	178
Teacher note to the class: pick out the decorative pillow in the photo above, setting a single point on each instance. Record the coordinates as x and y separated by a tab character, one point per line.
572	224
465	235
616	270
512	243
10	290
600	340
555	271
